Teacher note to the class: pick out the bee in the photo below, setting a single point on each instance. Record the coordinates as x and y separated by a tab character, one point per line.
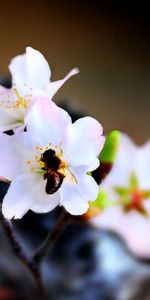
54	181
55	172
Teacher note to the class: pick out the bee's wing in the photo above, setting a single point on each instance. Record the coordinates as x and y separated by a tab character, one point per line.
69	177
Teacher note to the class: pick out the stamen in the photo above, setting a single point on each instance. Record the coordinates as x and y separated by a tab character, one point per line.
32	169
28	162
17	93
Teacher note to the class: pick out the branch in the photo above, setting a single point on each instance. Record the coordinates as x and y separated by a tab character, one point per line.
20	253
52	237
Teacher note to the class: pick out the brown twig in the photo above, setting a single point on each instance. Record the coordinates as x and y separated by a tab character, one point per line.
32	262
20	253
52	237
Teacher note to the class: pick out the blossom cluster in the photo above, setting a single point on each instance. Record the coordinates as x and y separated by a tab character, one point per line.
47	160
50	161
127	194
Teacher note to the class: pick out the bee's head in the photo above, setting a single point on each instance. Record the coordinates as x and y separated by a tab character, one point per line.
51	160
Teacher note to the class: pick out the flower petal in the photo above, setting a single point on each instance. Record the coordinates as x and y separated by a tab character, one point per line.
124	165
75	197
143	166
54	86
83	142
10	116
26	192
8	120
47	121
133	227
14	151
73	201
86	183
30	68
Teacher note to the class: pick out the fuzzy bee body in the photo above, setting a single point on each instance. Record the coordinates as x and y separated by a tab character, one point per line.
53	176
55	172
54	182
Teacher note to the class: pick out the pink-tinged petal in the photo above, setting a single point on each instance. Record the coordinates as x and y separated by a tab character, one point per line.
135	231
143	166
26	192
15	150
54	86
83	142
124	165
30	68
75	197
126	159
47	121
108	219
132	227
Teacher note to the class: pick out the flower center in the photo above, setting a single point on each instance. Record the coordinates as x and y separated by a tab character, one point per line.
49	163
132	197
15	101
20	102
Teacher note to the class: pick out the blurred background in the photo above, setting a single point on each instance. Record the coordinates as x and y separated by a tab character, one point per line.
108	40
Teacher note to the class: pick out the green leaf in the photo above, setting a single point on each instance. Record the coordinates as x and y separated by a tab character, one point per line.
110	148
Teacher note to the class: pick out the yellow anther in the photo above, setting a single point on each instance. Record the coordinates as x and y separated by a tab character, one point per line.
32	169
28	162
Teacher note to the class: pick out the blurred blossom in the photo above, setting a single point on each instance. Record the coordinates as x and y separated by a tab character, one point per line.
30	78
48	164
127	187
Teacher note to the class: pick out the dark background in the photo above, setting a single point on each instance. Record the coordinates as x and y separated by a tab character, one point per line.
108	40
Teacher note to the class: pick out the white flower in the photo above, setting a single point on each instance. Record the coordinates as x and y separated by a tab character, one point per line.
48	164
128	185
30	78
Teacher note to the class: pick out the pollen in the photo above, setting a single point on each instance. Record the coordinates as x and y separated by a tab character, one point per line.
16	103
41	164
32	169
28	162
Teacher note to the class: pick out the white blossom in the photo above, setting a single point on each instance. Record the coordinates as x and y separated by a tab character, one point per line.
128	189
30	79
48	165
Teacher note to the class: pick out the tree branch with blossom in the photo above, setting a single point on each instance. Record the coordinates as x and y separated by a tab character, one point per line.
50	164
